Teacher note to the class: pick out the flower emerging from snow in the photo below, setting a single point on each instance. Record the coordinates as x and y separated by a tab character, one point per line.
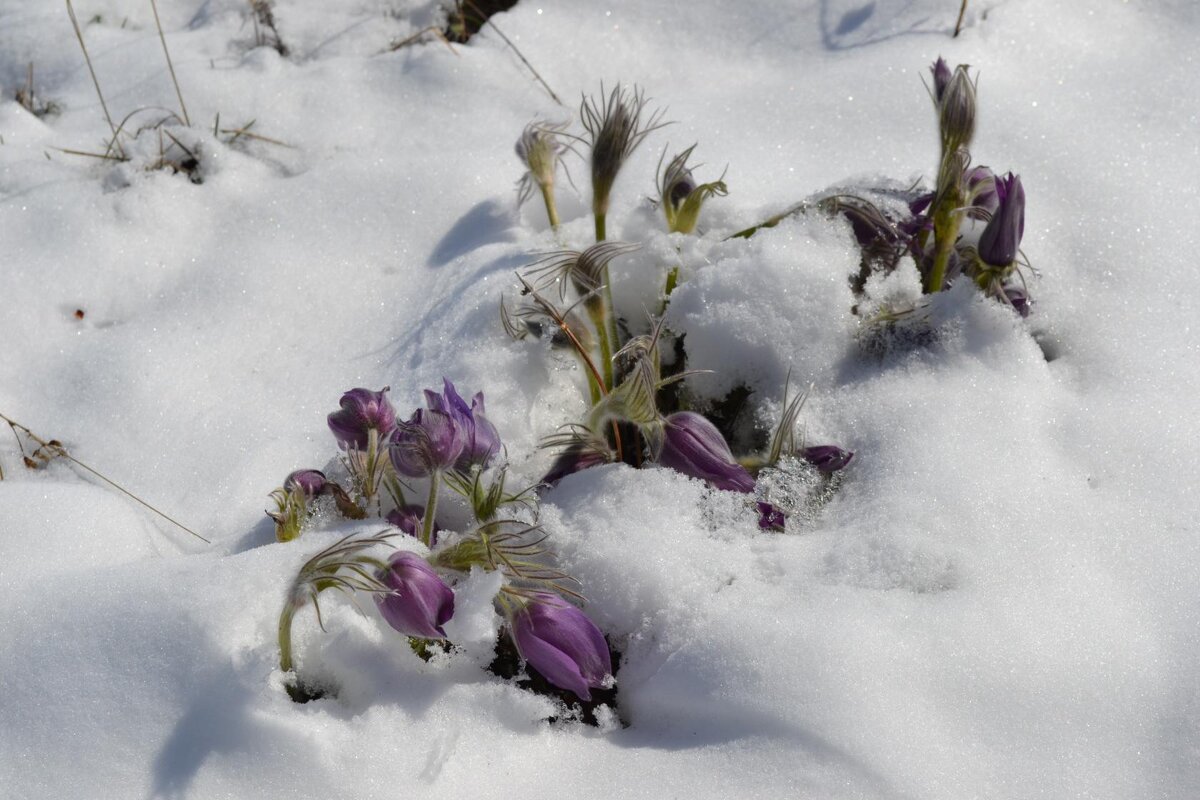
362	411
1001	239
827	458
560	642
481	441
309	482
419	602
428	443
693	445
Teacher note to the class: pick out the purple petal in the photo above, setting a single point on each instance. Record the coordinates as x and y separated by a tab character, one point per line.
693	445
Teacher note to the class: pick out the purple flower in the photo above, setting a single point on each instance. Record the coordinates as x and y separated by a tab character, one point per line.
407	518
770	518
420	602
693	445
561	643
941	77
827	458
309	481
1001	239
429	442
362	410
480	439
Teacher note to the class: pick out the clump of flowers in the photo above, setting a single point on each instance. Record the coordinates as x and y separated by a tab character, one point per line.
637	413
448	446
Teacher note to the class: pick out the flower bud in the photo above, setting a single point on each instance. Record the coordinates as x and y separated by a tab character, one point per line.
407	518
575	458
981	189
827	458
1001	238
693	445
1018	297
420	602
429	442
941	78
562	644
362	411
956	110
309	482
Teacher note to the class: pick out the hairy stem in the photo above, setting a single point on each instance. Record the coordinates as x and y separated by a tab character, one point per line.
285	636
435	478
551	207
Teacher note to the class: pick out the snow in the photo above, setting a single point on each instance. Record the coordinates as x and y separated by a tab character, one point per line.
999	601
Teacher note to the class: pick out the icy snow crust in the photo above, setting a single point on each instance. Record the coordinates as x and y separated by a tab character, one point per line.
1000	601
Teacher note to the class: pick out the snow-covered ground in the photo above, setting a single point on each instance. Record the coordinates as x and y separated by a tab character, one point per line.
1001	601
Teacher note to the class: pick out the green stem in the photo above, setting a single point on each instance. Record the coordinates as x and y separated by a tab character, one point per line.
945	232
597	311
600	218
551	208
435	478
285	636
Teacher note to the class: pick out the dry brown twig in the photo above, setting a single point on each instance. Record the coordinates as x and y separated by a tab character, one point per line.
51	449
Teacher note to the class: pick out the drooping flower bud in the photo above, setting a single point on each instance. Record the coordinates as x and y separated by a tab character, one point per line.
827	458
429	442
420	602
407	518
480	438
693	445
561	643
310	482
362	410
1001	239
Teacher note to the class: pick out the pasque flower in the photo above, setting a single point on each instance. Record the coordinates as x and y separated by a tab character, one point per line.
693	445
1001	238
362	411
428	443
407	518
480	438
827	458
419	602
310	482
560	642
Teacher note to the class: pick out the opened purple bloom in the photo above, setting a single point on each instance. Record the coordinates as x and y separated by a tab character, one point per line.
420	602
407	518
309	481
561	643
480	439
429	442
1001	239
362	410
827	458
693	445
